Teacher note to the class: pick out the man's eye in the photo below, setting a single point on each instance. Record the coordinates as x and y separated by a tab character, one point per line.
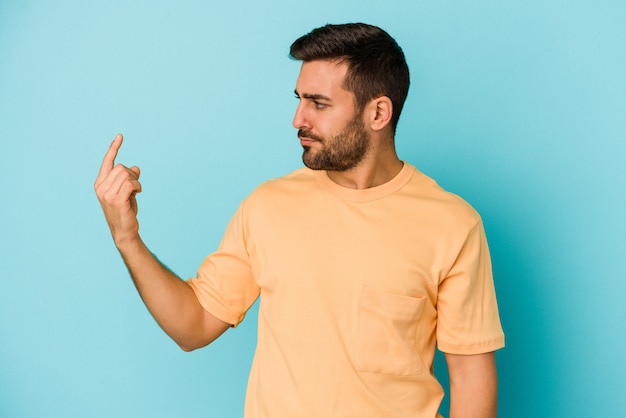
319	105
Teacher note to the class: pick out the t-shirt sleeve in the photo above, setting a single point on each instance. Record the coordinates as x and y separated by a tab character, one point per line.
467	312
224	284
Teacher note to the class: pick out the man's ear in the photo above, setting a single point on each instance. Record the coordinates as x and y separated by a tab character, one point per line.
380	110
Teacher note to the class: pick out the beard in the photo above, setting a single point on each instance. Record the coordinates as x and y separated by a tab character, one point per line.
340	152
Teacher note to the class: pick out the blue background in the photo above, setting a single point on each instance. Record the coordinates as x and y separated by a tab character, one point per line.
520	107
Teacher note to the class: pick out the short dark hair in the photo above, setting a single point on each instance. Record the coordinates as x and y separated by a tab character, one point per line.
376	64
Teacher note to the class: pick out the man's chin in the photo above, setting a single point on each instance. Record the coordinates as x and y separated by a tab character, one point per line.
309	160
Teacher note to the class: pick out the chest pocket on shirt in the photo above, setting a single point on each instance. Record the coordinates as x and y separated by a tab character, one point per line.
386	336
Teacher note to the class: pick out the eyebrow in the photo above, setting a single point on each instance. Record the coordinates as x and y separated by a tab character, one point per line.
311	96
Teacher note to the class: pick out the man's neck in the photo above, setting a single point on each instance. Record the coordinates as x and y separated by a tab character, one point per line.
371	172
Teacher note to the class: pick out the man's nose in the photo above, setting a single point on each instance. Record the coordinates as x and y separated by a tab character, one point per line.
299	118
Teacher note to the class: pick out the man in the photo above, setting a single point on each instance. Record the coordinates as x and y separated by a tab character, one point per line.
362	263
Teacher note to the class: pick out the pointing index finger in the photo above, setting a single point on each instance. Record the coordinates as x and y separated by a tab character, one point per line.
109	158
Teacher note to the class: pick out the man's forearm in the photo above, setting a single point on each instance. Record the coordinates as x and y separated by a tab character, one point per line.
172	303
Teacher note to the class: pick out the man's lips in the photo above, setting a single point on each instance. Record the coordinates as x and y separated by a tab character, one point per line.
307	138
307	142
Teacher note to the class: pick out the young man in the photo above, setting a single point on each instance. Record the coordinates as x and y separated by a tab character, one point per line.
362	263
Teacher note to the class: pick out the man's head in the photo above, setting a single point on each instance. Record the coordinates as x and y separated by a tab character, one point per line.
376	64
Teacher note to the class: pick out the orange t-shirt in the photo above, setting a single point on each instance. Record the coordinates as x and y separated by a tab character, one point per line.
356	289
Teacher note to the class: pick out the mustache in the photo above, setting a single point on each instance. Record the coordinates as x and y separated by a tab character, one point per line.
305	133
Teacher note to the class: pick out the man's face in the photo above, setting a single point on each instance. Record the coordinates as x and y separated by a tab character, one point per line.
330	129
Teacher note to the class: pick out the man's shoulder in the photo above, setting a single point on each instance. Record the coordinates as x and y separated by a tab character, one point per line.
299	180
429	194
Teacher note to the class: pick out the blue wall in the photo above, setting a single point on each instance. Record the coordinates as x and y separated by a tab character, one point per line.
520	107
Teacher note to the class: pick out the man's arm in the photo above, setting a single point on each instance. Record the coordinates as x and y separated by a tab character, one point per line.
473	385
170	300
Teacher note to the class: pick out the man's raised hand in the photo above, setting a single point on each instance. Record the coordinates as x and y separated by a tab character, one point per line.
116	187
